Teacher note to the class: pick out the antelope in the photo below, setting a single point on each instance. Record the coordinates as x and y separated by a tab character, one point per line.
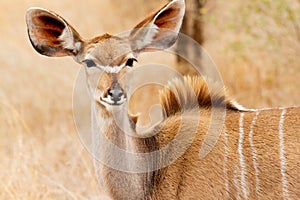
255	156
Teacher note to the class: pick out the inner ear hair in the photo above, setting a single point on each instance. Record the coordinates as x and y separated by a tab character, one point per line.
160	30
50	34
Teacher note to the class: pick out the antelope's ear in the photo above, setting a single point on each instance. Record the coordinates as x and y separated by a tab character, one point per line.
160	30
50	34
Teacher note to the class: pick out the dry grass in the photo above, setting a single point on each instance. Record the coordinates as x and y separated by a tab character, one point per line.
256	45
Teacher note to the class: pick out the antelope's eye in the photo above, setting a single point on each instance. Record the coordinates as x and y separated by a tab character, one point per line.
130	62
90	63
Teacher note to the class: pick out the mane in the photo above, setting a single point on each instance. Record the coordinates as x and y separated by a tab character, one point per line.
193	92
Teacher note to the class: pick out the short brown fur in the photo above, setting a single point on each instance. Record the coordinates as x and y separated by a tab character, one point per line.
255	156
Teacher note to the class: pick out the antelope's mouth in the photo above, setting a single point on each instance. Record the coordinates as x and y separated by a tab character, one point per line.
113	100
113	96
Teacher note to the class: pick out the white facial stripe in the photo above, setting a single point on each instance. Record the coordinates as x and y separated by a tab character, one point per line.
111	70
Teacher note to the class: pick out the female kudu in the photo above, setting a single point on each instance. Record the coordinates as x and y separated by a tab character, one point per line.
256	156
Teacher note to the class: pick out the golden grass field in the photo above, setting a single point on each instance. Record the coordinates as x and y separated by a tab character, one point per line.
255	44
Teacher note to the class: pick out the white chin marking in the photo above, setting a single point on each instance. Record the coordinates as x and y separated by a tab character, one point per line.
107	100
108	103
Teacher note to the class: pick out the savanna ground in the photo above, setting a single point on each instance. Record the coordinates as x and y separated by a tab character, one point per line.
255	45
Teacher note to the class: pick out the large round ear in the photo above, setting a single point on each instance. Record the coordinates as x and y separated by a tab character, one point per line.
160	30
50	34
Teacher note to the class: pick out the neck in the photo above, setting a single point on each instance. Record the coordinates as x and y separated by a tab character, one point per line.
116	125
115	142
119	128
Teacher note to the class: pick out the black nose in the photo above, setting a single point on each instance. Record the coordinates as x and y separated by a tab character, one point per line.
116	93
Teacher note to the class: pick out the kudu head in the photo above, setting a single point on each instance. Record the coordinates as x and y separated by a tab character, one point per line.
106	58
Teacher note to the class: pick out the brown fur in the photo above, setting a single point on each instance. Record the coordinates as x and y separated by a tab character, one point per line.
237	159
192	93
190	177
46	27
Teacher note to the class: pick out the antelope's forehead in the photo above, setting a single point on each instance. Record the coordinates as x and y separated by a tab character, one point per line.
112	51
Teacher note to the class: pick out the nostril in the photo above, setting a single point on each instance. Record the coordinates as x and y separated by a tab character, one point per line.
115	94
109	92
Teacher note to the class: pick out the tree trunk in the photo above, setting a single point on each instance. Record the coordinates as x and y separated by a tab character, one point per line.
191	27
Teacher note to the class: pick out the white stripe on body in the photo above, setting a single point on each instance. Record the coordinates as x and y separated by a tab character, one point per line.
254	153
282	156
225	163
241	156
236	183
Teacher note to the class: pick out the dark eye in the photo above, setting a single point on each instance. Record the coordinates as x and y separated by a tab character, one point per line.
89	63
130	62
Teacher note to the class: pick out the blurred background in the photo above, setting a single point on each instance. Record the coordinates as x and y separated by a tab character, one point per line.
255	45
